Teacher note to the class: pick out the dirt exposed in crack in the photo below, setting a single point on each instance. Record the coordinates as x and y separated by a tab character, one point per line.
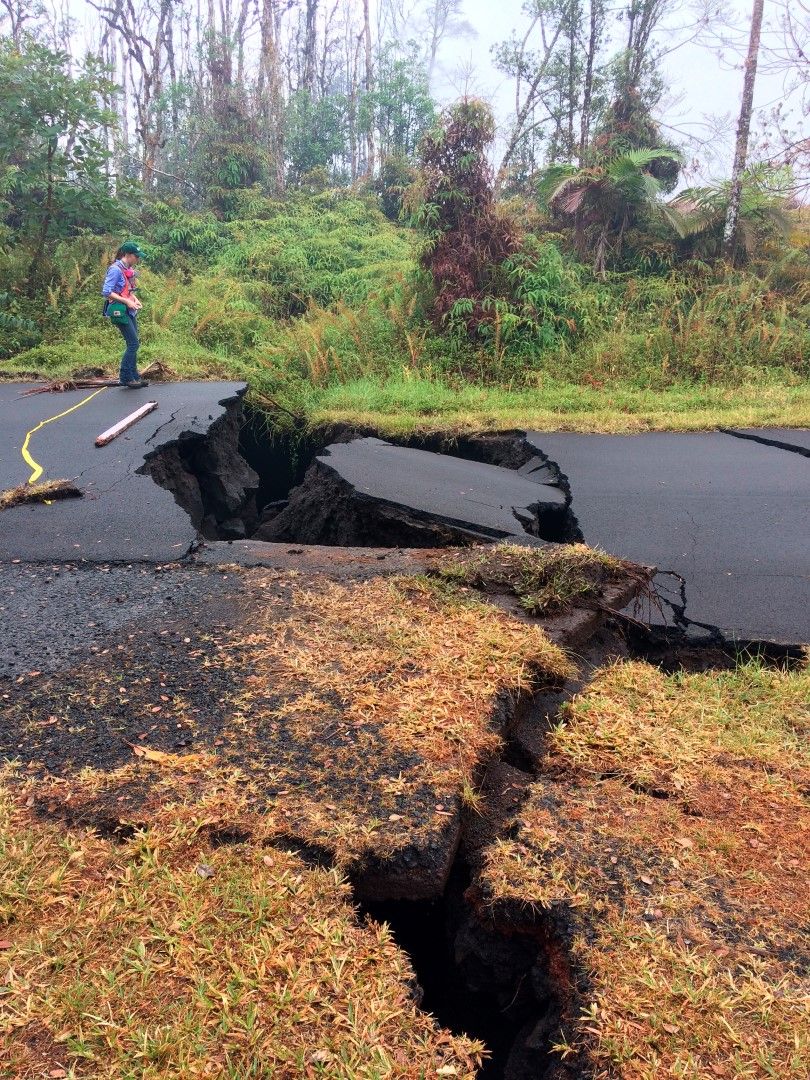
495	985
477	981
504	976
675	652
302	498
209	478
505	981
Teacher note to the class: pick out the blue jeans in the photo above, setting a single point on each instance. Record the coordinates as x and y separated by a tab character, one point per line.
129	361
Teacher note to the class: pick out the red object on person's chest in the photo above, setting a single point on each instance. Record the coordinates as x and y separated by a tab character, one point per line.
129	274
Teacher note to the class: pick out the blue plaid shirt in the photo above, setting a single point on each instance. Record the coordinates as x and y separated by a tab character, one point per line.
114	280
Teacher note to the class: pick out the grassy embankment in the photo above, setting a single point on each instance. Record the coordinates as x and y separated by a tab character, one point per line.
314	303
669	830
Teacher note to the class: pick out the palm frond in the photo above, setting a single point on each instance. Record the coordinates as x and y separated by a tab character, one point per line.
550	180
640	159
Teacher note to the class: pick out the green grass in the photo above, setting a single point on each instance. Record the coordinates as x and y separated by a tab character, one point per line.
405	405
545	581
316	304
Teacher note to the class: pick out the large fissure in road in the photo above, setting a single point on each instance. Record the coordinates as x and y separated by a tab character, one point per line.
346	488
341	486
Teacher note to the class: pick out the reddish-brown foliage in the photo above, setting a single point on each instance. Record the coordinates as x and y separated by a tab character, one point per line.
453	200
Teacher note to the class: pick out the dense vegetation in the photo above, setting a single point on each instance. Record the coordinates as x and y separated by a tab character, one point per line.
317	301
426	287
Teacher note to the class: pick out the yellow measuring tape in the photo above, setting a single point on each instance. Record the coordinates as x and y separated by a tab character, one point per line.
34	465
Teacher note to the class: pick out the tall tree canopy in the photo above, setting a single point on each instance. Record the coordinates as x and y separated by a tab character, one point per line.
54	165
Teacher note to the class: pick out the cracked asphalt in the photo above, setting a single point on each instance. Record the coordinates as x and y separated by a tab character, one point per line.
123	515
730	514
727	513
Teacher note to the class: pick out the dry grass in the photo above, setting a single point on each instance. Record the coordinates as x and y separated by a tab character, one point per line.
545	581
671	832
356	712
46	491
392	686
165	957
347	716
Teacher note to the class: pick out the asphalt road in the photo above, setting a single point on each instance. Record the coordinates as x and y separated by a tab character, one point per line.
729	514
123	516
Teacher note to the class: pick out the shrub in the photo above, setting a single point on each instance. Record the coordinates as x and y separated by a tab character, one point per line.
453	201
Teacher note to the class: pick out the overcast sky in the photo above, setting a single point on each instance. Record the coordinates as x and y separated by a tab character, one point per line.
705	80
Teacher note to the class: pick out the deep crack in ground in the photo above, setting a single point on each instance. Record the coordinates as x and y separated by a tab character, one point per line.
474	975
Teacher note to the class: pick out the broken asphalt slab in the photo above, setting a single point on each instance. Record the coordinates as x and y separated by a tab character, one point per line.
124	514
729	515
367	490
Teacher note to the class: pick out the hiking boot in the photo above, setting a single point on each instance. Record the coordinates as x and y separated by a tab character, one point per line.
136	384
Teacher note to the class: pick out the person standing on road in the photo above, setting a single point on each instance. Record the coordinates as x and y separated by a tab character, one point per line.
121	307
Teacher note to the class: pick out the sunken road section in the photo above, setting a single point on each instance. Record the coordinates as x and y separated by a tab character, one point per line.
369	491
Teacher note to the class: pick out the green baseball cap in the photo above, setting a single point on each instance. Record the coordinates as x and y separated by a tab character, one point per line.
131	248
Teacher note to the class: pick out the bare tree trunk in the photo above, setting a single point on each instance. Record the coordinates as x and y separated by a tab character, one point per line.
310	46
353	93
269	90
587	86
370	158
18	12
144	46
438	15
126	73
731	229
521	128
572	87
172	71
39	252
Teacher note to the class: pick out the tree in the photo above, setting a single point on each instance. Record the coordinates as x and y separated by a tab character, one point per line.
310	47
269	98
529	62
369	85
452	200
605	199
699	214
399	107
596	27
315	136
560	76
731	228
53	157
143	30
443	18
18	13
